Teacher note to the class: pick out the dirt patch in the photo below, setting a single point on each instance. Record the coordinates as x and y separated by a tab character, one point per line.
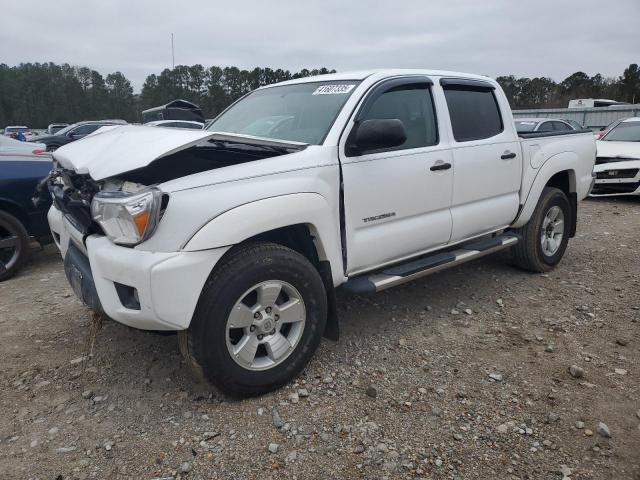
411	390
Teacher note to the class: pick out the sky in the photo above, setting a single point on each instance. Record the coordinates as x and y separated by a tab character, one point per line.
551	38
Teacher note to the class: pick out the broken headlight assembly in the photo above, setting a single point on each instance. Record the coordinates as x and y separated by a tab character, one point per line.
128	218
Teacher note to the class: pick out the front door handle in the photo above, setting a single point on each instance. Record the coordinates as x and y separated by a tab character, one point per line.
440	166
508	155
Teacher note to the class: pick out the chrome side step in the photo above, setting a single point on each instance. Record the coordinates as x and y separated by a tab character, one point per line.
399	274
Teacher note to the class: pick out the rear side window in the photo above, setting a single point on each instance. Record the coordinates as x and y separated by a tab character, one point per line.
474	112
413	105
561	127
546	127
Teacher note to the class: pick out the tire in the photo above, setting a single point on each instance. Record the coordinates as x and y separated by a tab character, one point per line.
14	245
52	148
241	289
533	252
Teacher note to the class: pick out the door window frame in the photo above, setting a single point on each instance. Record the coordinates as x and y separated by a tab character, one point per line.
375	92
471	85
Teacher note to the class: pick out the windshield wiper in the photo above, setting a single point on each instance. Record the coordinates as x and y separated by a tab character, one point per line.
273	148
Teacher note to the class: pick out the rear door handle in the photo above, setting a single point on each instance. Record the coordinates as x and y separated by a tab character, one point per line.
440	166
508	155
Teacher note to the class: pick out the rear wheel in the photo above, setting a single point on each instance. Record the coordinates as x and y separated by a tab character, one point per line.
14	245
545	237
259	320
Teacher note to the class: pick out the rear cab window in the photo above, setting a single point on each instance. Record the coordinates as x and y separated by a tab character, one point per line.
473	109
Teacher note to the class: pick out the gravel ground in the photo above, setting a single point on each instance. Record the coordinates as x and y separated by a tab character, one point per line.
482	371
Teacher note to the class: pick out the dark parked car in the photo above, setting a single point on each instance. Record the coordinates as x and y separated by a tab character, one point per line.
20	220
74	132
176	110
55	127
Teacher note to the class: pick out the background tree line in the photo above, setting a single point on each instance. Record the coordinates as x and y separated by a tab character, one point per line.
544	92
37	94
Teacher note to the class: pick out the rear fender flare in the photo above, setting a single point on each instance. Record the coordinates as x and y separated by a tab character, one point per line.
565	161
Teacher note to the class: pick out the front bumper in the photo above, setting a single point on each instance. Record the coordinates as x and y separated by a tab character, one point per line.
617	178
145	290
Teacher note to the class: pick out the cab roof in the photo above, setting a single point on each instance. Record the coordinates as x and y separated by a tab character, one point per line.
379	74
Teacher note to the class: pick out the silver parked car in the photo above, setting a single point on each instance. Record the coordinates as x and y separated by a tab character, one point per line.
530	125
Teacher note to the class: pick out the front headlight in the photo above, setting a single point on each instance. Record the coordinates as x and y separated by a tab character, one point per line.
127	219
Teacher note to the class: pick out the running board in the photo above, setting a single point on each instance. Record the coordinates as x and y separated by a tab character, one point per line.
399	274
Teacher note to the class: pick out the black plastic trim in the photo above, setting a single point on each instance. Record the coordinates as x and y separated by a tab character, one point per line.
74	259
482	245
126	295
553	134
420	264
332	328
383	87
466	82
360	286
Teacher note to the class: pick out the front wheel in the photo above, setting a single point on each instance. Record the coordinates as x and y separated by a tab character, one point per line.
259	320
545	237
14	245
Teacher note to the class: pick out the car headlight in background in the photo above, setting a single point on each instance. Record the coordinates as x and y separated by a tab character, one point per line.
127	219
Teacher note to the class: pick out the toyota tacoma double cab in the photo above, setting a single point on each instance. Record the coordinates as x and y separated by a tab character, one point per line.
237	236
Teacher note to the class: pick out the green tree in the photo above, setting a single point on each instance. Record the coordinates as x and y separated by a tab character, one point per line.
629	84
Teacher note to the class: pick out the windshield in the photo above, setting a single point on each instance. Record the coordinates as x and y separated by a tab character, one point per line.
302	112
525	126
624	132
17	129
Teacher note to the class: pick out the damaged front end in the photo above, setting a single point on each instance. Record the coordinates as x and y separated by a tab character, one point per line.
126	212
72	194
108	184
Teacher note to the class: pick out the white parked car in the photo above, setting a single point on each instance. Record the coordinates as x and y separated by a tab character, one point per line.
11	145
618	160
13	130
359	180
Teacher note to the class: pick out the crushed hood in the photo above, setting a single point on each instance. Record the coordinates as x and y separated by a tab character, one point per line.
629	150
119	149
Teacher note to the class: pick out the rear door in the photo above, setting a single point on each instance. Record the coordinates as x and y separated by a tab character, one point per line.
395	205
487	157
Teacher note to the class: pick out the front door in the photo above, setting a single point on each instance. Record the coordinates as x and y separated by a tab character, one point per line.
397	200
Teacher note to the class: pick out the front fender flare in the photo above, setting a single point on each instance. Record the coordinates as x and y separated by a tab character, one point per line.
245	221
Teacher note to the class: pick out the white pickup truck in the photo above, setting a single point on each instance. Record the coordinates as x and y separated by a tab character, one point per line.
237	236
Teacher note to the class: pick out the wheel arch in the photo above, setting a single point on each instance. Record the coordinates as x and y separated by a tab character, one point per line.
17	211
301	238
303	222
559	172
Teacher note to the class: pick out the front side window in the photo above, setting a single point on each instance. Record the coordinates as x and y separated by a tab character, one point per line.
524	126
474	112
302	112
413	106
86	129
624	132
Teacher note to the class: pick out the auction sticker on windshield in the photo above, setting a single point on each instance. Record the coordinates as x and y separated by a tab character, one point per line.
333	89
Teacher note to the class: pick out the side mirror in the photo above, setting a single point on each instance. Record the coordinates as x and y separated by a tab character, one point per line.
75	136
376	134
